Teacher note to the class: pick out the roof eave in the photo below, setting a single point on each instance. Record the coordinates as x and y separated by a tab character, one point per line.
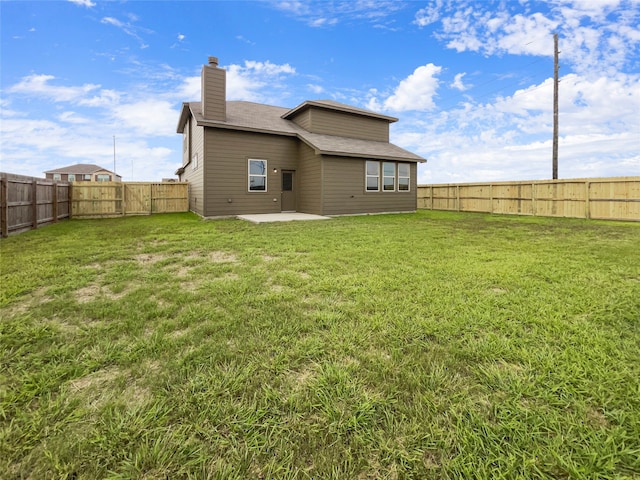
227	126
373	157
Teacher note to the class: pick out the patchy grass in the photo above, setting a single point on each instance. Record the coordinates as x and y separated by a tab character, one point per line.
429	345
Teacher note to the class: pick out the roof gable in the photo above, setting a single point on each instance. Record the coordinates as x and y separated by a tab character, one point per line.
338	107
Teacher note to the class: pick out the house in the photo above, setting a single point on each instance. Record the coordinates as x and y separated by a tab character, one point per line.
321	157
82	172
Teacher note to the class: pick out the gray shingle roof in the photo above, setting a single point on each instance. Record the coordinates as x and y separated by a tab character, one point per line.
262	118
79	168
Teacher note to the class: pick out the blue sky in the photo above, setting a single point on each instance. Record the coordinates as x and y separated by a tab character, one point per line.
470	81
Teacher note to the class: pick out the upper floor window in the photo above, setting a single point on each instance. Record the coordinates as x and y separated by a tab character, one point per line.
72	177
257	175
87	176
103	177
56	176
373	176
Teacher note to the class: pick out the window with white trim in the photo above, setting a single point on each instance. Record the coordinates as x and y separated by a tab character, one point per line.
257	175
87	176
103	177
72	177
388	176
194	162
56	176
404	174
373	176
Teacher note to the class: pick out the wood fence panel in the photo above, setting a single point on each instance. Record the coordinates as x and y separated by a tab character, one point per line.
598	198
110	199
169	197
615	200
27	202
96	199
137	198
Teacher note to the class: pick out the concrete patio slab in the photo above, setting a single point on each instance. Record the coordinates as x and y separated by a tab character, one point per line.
280	217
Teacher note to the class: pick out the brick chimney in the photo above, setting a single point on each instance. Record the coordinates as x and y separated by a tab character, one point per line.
214	88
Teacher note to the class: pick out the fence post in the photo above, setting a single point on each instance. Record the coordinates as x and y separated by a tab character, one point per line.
533	199
491	198
4	206
458	198
70	198
34	203
587	193
54	199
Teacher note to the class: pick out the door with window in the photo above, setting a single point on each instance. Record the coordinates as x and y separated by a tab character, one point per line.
288	200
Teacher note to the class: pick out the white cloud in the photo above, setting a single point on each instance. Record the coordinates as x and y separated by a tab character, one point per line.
510	138
415	92
595	36
181	37
320	13
38	85
458	84
149	117
317	89
128	28
428	15
84	3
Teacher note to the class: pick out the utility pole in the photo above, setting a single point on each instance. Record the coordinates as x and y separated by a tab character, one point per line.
555	106
114	155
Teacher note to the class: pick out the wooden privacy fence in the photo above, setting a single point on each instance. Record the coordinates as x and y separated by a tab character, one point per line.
27	202
597	198
110	199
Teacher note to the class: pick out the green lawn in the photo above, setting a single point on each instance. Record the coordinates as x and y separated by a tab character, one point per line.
428	345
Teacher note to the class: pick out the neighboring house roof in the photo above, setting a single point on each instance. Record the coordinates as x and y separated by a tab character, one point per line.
79	168
255	117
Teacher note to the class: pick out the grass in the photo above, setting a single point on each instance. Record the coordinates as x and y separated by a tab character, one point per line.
429	345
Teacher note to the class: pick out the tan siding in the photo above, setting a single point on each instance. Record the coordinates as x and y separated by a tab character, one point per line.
344	191
348	125
303	119
309	178
226	172
195	177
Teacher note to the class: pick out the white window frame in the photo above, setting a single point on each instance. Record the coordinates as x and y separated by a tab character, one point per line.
101	177
87	176
367	176
385	176
408	177
71	177
250	175
57	177
194	162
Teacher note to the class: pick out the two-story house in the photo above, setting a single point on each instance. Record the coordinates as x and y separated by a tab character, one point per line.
321	157
82	172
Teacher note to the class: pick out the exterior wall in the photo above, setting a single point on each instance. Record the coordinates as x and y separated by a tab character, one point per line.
194	146
342	124
226	170
309	180
344	190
